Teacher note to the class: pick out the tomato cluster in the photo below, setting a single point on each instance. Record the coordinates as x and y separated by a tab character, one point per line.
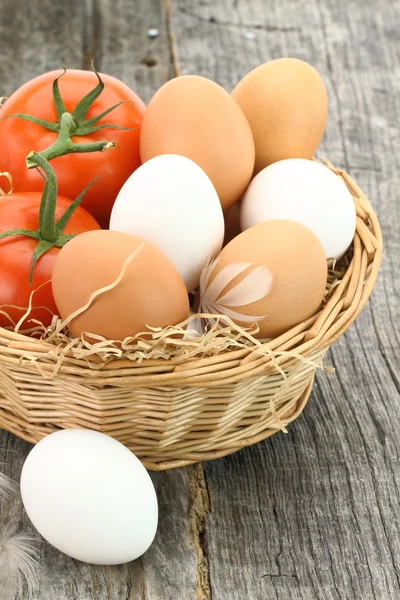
61	133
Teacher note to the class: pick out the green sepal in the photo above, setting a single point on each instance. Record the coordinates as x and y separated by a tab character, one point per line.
42	247
105	126
77	125
96	119
82	108
58	101
63	239
63	220
49	233
32	234
47	124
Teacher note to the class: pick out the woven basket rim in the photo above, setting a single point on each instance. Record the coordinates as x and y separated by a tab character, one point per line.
173	412
319	331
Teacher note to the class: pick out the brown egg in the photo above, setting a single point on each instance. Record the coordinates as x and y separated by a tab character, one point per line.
151	291
232	222
195	117
274	274
286	104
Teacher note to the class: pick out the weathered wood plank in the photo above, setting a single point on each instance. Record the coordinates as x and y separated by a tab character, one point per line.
167	571
35	36
127	48
114	33
313	515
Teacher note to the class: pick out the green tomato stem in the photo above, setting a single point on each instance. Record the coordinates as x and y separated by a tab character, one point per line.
47	215
64	144
68	125
49	233
73	124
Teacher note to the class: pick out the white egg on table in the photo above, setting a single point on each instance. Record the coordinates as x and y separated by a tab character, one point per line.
171	202
89	497
305	191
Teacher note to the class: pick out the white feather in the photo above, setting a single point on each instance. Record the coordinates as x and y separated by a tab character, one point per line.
236	316
18	564
206	272
224	278
7	487
252	288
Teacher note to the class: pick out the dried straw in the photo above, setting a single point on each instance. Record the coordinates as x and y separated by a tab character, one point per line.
173	396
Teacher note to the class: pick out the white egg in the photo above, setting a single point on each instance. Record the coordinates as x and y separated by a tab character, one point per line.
170	202
89	497
307	192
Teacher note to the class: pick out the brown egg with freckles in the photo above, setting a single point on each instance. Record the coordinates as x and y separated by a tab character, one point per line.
286	103
150	293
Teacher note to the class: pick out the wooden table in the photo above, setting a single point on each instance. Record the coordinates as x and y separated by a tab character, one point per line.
314	514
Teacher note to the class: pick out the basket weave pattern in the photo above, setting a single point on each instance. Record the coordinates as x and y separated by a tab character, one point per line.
171	413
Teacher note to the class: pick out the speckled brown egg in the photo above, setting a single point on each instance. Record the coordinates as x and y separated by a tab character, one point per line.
286	103
273	274
195	117
151	291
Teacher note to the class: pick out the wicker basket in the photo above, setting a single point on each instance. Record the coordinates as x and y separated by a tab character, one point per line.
173	412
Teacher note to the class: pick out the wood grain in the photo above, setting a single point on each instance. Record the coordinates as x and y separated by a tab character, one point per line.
35	36
313	514
124	48
114	35
167	570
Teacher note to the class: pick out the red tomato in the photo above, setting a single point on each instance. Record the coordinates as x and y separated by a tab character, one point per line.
22	211
74	171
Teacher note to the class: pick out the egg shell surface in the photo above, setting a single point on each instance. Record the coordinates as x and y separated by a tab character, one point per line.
307	192
286	103
89	497
195	117
170	202
288	252
151	291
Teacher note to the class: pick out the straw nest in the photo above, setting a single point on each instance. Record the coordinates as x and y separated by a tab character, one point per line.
178	397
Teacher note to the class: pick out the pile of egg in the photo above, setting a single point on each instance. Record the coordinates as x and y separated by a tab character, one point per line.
228	201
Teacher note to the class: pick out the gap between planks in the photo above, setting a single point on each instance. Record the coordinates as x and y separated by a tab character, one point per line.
199	508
